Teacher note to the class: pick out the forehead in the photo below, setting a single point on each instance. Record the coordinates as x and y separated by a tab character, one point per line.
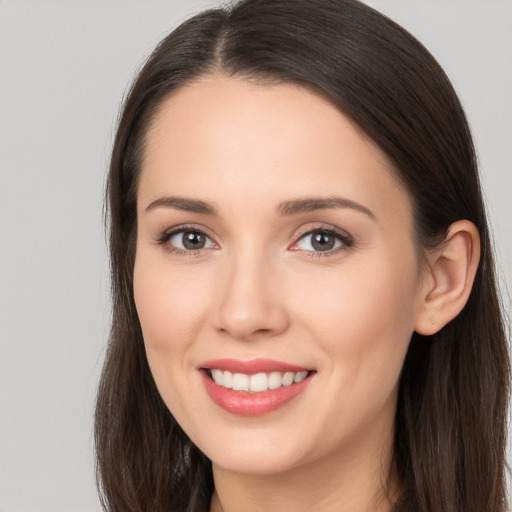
225	138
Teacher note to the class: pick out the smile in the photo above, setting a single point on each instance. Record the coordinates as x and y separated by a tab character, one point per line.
255	383
251	388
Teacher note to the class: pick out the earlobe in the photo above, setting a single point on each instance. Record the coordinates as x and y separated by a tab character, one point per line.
452	271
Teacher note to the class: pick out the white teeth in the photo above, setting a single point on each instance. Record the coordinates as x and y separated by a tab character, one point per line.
300	376
275	379
228	380
218	377
288	378
240	382
257	382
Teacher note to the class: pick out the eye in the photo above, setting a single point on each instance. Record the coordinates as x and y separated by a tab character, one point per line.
186	241
323	240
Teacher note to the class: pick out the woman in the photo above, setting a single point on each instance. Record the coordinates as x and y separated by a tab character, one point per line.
305	311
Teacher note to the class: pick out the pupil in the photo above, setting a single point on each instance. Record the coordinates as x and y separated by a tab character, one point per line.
322	242
193	240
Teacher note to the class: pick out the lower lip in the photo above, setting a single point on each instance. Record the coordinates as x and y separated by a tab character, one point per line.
252	404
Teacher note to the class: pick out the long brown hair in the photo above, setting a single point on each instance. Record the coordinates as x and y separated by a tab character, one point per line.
450	435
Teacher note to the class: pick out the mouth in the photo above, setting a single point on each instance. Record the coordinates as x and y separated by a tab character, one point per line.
256	383
256	387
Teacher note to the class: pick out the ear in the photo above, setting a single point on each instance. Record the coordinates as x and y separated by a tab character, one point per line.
449	278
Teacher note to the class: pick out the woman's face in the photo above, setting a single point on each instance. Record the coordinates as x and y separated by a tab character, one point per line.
274	245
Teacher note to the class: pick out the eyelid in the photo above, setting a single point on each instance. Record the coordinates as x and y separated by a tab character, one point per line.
164	237
347	240
343	236
312	227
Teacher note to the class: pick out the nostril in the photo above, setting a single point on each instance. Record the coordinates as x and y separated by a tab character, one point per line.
247	306
246	333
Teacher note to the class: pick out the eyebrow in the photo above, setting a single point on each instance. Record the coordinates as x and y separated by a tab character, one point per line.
306	205
288	208
183	203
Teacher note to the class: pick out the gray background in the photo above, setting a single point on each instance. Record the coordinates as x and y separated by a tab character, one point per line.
64	66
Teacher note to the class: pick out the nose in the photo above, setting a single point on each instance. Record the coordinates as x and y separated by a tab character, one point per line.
250	303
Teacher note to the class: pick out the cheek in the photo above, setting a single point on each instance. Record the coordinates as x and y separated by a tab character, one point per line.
171	305
363	327
364	317
362	296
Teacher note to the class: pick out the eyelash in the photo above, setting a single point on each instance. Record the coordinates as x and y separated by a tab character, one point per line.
164	238
346	241
342	236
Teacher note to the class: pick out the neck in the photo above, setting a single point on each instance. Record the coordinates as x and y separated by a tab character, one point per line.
341	482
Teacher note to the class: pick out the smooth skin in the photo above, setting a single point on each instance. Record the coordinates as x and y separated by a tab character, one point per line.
226	162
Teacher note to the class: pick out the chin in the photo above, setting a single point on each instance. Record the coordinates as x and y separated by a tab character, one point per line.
262	463
256	452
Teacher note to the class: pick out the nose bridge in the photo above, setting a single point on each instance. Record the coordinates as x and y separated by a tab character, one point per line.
249	303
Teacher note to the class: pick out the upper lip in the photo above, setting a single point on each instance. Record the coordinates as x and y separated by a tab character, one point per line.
251	367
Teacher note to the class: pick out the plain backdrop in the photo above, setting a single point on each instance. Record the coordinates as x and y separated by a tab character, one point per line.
64	67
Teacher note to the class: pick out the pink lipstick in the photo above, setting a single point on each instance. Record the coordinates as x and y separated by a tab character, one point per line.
251	388
251	367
